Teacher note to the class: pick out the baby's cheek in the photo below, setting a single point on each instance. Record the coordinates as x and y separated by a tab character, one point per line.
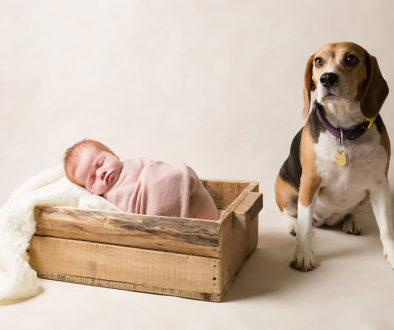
93	189
100	189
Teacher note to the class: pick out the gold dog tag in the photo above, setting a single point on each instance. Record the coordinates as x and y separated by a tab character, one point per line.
340	158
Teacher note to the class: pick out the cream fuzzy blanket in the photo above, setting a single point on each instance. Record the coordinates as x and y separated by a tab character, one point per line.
17	226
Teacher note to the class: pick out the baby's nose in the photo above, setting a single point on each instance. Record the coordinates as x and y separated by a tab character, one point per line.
101	174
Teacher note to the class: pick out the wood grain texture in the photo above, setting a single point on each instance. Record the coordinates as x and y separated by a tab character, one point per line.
249	208
132	287
228	212
252	234
224	192
189	236
237	248
190	258
140	267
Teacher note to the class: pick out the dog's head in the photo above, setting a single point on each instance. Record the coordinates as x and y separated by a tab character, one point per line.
345	72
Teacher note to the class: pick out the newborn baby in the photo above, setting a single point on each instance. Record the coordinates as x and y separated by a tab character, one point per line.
139	185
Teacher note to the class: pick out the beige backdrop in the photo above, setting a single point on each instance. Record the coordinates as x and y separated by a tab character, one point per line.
215	84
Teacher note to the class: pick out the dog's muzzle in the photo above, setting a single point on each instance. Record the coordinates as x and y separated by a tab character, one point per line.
328	79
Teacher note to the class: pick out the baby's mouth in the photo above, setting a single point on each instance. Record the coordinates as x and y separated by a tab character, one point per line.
108	178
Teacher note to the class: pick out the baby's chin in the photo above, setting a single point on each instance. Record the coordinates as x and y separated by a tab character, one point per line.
99	192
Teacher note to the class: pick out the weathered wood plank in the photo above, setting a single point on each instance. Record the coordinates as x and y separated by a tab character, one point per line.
249	208
132	287
252	232
252	186
140	267
189	236
237	247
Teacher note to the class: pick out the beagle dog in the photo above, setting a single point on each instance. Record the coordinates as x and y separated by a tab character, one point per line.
339	160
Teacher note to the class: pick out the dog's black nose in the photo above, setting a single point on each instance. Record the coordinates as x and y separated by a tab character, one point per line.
328	79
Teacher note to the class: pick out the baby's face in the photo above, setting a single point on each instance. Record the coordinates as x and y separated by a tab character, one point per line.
97	170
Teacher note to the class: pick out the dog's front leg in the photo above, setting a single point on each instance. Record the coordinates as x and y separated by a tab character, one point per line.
303	258
381	205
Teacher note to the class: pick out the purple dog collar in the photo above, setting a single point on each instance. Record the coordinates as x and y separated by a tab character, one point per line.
351	133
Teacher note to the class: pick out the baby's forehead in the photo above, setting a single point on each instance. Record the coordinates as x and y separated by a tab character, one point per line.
85	150
84	147
80	155
83	160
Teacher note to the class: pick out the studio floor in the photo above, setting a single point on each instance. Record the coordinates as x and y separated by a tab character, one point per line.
352	288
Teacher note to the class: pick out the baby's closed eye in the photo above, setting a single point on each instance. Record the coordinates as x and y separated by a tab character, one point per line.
91	179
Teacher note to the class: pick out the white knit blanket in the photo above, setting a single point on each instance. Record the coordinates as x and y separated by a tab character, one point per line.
17	226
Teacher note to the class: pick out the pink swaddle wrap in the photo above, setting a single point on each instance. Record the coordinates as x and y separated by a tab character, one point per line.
156	188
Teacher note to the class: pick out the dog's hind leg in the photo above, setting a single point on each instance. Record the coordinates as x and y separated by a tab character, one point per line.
287	199
350	224
291	218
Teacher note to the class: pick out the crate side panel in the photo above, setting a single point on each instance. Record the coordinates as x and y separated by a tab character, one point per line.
252	235
146	268
235	252
238	243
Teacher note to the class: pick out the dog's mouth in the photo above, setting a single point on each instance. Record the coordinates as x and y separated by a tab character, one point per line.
330	94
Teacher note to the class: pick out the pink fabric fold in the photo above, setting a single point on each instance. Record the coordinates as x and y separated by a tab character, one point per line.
156	188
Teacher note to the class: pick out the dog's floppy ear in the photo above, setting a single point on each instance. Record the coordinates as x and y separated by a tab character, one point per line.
308	85
376	89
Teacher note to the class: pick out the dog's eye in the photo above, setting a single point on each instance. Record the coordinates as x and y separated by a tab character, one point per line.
351	60
318	62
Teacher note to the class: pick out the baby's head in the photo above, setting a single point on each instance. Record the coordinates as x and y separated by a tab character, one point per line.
92	165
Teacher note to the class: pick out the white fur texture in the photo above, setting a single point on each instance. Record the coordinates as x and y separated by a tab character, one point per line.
17	226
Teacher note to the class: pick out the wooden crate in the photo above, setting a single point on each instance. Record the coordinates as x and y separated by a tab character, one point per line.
182	257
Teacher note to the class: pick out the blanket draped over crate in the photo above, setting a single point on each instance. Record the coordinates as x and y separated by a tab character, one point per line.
17	226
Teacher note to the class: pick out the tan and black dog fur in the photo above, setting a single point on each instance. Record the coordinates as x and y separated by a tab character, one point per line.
346	82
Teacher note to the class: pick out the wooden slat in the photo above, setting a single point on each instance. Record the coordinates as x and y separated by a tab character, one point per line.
132	287
147	269
249	208
189	236
252	186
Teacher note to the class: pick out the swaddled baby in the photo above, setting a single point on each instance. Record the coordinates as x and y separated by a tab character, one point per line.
139	185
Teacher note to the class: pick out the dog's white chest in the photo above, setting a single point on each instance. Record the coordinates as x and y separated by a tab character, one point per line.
344	188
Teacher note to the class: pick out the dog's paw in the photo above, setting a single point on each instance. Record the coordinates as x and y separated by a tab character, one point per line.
388	254
293	229
351	226
304	262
